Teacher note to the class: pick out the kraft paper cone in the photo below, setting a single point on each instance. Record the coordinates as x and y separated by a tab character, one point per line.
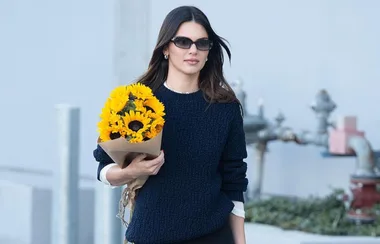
123	152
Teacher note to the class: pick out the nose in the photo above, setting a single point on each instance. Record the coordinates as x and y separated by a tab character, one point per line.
193	49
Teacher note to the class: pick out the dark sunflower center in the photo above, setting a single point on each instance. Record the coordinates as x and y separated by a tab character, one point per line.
135	125
114	135
149	109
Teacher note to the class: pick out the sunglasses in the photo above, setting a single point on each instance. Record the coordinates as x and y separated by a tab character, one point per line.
203	44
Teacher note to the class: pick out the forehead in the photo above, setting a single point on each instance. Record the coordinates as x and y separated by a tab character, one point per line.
192	30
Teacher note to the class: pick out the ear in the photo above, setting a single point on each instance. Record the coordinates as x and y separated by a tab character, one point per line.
165	51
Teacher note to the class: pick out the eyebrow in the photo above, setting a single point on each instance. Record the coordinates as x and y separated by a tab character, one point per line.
191	38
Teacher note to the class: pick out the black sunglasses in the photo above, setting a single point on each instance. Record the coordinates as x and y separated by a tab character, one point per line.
202	44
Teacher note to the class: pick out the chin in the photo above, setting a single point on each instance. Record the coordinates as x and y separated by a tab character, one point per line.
191	71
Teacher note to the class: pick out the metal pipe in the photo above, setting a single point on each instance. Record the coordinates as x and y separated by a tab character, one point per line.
365	158
317	139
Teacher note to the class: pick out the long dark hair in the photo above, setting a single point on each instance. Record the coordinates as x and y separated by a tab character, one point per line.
211	78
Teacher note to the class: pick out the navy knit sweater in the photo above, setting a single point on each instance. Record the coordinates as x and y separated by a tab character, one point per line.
204	171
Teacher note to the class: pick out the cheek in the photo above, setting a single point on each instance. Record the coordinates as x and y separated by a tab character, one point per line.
204	57
177	57
203	54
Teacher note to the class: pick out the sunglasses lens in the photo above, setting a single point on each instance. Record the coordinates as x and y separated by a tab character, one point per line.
203	44
183	42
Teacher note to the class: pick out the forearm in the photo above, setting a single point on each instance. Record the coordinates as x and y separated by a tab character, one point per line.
237	227
115	176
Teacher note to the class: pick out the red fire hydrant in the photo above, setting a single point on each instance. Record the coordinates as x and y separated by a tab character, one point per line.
365	195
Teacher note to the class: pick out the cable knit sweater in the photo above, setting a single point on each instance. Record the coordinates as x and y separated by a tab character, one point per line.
204	171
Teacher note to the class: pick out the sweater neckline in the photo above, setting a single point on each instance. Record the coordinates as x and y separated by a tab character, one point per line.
166	85
184	96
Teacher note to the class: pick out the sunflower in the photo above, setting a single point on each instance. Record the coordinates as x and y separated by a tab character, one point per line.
136	137
119	98
104	130
155	127
139	105
154	105
136	124
106	110
140	91
119	128
131	112
105	135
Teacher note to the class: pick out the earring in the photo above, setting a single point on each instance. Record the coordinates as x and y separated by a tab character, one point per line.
206	59
166	56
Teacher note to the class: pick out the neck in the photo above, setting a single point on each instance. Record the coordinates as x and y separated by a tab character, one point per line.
181	82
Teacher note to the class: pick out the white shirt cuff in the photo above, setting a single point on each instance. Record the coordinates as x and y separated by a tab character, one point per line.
103	174
238	210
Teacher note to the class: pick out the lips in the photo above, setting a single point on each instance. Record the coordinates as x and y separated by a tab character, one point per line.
192	61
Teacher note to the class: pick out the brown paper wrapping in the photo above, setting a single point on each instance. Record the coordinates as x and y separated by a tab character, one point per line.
123	152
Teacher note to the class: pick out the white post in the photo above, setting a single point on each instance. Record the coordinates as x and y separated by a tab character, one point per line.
260	148
131	57
132	37
65	219
108	228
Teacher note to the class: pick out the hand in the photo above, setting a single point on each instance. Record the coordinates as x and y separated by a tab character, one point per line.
142	167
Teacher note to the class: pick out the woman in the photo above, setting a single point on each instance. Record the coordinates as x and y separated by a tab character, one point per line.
196	196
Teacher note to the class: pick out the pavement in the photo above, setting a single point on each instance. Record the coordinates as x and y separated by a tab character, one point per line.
265	234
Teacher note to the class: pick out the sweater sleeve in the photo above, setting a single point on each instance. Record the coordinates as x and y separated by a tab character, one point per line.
233	166
102	158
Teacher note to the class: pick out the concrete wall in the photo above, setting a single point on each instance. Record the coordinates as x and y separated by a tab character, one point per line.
26	214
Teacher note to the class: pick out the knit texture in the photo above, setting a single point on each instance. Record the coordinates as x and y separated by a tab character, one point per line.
204	170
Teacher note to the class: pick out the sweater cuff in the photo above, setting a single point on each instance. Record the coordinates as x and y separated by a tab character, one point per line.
235	195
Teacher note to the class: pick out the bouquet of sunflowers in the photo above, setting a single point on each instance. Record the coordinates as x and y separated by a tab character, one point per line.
132	121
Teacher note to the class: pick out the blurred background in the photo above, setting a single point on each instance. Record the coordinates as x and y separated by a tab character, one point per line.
75	52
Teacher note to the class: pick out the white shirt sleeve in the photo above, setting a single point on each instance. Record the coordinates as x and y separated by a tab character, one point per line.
238	210
103	175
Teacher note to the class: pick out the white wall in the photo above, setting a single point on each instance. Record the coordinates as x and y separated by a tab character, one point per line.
52	52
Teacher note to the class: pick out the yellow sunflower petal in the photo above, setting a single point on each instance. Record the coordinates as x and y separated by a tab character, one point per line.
139	104
140	91
136	137
155	106
155	128
119	98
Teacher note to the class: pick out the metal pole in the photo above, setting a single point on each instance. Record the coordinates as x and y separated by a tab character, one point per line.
65	220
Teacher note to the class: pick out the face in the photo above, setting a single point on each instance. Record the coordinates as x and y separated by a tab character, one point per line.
188	60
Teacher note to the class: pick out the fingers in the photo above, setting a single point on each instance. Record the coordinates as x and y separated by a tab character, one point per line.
155	164
158	167
139	157
157	160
